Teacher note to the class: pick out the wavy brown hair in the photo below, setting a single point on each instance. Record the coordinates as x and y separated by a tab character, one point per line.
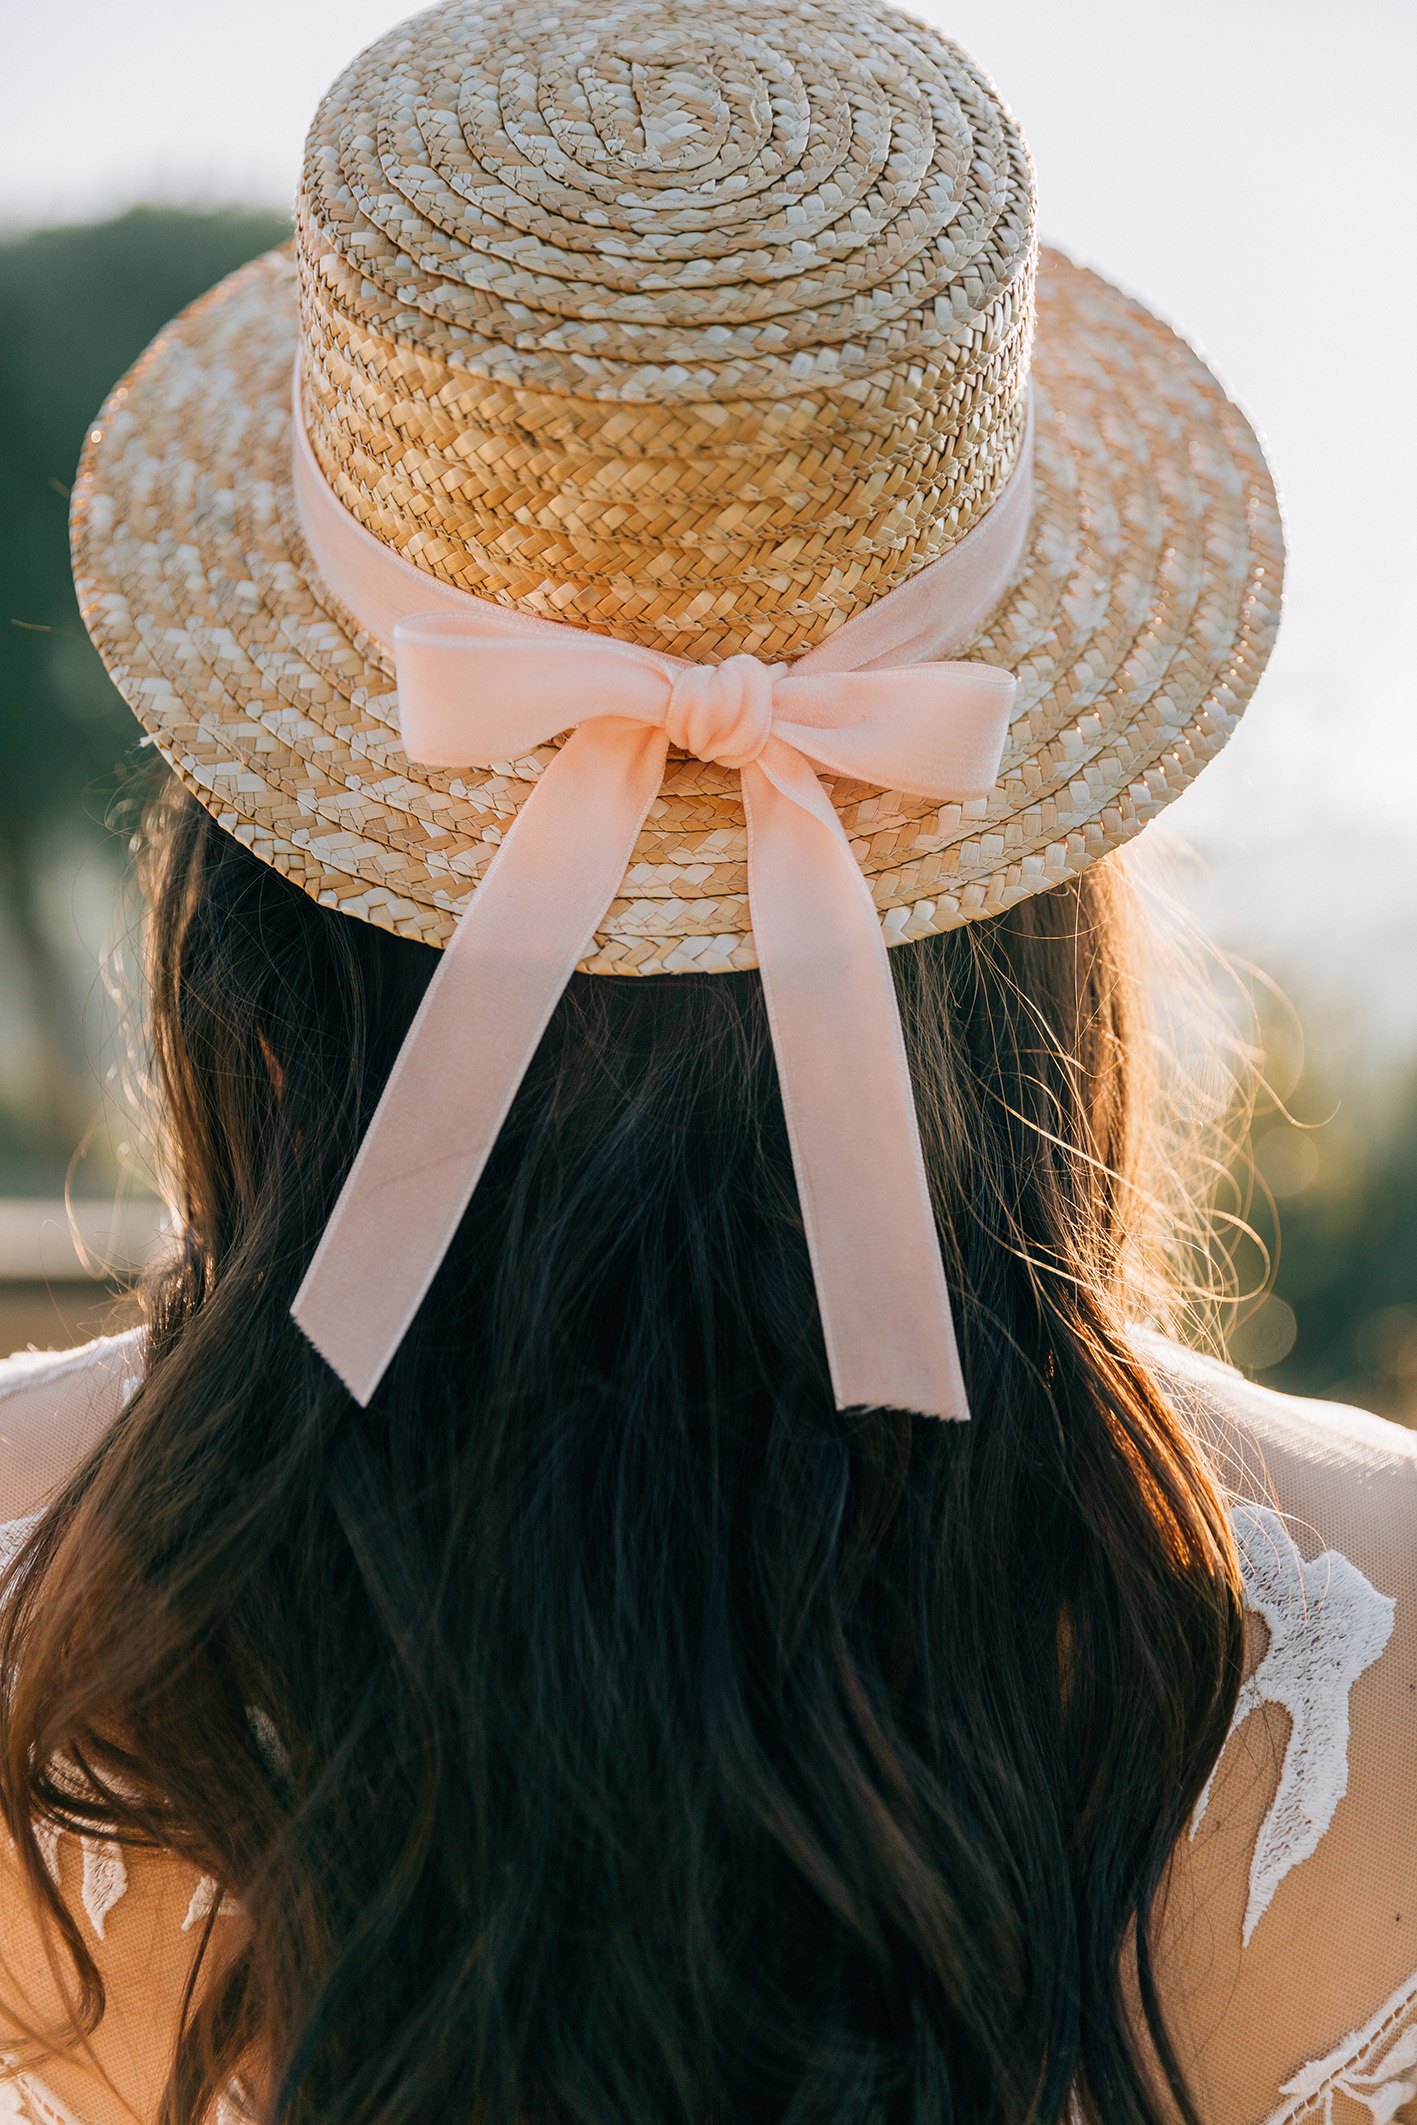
601	1728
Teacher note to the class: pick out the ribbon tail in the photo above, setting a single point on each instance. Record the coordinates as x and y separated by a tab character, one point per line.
463	1057
850	1110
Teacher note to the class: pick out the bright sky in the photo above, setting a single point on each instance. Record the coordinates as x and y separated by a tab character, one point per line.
1248	166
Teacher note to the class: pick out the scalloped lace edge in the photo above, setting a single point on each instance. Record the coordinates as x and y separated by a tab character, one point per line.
1375	2067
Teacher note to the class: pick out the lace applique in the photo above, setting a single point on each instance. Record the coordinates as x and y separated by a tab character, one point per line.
105	1874
1327	1623
1375	2068
24	2100
105	1877
14	1534
206	1895
268	1741
105	1880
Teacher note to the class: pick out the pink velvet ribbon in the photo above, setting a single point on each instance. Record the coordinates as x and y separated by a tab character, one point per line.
479	683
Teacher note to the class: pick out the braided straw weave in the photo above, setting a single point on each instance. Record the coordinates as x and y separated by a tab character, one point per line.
703	329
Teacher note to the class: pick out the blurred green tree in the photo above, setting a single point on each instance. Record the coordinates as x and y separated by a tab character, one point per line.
1324	1188
1347	1265
77	306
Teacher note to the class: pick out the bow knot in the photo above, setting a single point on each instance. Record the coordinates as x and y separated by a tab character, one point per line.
480	683
722	712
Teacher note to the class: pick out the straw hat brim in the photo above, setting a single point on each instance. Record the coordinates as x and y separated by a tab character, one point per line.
1138	625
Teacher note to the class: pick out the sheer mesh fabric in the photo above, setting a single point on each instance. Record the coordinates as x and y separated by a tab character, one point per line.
1288	1941
1315	2019
53	1407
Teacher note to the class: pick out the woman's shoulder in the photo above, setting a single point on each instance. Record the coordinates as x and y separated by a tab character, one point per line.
1290	1938
140	1914
105	1371
142	1917
1315	1481
54	1406
1240	1418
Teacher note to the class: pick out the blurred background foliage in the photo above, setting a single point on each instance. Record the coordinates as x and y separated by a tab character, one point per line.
77	306
1327	1181
1327	1185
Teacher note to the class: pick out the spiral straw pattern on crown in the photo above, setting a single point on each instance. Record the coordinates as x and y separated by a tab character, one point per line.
702	327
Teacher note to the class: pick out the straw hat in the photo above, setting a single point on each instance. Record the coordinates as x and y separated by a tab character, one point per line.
704	329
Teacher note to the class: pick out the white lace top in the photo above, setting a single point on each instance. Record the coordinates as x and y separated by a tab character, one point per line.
1288	1942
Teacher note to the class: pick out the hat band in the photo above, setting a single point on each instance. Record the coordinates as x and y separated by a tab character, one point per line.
480	682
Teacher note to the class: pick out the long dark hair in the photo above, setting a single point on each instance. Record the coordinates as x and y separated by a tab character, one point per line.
600	1728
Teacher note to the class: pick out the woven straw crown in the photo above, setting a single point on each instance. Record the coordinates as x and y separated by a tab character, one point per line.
703	329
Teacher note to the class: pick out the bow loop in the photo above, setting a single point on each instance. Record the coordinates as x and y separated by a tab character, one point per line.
469	696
